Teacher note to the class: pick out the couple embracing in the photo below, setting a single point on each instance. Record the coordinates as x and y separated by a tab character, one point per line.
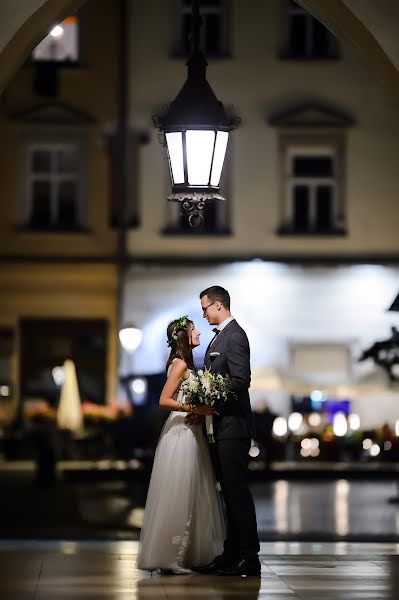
184	527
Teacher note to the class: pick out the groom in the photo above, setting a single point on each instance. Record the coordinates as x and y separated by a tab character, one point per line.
228	354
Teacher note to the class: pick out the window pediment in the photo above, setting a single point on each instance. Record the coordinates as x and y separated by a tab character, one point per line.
53	114
311	116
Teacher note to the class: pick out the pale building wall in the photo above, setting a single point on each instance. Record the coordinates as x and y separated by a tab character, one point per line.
93	91
380	18
259	84
64	274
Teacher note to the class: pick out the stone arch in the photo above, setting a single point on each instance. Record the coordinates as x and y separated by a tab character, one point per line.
36	16
349	24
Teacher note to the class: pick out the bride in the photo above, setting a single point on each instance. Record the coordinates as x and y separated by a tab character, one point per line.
183	520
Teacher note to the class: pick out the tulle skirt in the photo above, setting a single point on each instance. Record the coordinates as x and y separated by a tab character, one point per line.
183	520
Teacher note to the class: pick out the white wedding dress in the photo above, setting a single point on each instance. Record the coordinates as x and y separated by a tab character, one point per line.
183	520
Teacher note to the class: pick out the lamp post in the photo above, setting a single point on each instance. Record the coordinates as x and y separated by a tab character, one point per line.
195	131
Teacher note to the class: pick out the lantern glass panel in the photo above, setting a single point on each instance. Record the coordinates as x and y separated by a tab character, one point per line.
199	145
218	159
174	141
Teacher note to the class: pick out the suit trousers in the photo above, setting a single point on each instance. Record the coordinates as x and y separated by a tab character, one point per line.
232	470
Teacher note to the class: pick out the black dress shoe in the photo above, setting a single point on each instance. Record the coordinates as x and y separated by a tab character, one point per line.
219	562
245	568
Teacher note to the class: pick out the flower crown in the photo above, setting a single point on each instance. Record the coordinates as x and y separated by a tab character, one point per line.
181	325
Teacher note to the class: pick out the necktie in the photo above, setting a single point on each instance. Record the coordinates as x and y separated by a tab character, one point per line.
216	332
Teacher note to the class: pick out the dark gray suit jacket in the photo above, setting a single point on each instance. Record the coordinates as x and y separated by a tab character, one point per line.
229	355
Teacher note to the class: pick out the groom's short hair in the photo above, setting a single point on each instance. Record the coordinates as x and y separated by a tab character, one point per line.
216	292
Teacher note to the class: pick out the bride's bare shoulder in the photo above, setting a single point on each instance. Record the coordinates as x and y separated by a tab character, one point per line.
178	366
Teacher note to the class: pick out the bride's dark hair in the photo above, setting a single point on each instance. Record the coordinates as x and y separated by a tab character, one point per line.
179	342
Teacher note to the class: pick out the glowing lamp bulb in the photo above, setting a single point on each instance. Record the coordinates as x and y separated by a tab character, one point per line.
280	427
295	421
340	424
57	31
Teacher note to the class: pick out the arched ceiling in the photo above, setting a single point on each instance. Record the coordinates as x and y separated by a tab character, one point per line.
381	19
370	26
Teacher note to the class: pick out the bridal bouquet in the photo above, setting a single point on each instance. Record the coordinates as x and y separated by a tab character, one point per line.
206	388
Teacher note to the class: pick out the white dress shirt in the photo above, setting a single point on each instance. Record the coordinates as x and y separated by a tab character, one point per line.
221	326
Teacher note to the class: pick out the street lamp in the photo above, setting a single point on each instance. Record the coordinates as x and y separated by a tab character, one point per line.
130	338
195	130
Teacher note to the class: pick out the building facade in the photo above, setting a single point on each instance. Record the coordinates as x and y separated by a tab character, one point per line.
58	242
306	239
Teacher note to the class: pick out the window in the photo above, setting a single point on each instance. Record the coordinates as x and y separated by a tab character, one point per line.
307	37
312	153
53	186
61	45
213	33
311	189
